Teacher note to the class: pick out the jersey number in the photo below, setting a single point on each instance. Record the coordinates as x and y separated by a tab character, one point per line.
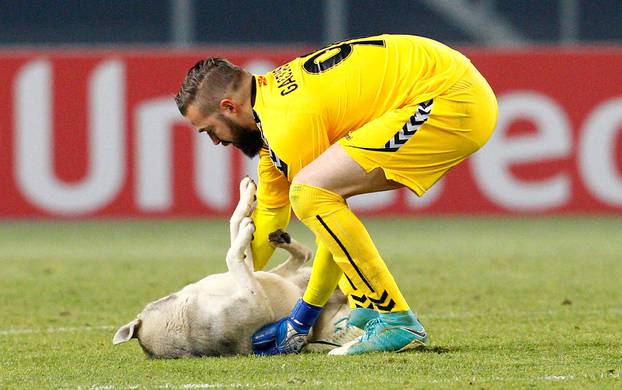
343	50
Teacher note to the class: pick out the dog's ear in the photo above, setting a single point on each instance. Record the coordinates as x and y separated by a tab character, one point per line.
126	332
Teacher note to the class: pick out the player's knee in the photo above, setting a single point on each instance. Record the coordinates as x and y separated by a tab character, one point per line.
301	200
308	201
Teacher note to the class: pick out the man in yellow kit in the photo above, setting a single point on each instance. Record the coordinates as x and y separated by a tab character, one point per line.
358	116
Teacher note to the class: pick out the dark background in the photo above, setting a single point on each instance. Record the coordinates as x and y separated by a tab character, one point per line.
39	22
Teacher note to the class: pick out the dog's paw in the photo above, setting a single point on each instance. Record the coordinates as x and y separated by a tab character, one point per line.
245	234
248	188
279	237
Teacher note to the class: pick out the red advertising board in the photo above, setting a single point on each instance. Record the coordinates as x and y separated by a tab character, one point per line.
92	133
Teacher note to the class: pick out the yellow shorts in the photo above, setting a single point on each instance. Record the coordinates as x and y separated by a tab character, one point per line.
418	144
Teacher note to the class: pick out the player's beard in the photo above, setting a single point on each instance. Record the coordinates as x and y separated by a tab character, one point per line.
246	139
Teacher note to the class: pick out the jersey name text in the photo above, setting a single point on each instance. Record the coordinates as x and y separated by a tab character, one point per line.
285	79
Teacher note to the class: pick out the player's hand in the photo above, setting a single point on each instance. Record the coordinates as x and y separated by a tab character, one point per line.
289	334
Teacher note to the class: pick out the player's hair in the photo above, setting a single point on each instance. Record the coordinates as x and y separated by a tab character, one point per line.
206	83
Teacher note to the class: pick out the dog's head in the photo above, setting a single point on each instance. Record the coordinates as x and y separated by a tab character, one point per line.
162	329
173	327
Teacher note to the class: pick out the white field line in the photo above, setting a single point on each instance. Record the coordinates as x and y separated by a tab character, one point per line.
475	381
616	311
434	316
203	386
557	378
66	329
499	379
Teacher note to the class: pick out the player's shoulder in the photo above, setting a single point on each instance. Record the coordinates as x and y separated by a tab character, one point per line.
284	93
282	86
285	80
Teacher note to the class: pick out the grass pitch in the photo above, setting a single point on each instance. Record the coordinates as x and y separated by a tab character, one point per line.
509	303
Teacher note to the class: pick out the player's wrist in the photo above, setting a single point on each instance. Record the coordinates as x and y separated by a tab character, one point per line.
304	316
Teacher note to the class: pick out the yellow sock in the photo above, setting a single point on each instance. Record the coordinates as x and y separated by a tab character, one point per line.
325	275
331	220
347	290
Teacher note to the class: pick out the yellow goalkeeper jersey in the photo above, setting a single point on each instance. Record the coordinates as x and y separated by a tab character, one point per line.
308	104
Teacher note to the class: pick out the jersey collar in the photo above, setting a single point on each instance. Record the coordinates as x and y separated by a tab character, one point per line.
253	91
258	122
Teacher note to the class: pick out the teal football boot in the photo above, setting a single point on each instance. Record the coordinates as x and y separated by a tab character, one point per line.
389	332
360	316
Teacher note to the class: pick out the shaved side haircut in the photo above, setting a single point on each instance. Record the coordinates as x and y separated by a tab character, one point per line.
206	83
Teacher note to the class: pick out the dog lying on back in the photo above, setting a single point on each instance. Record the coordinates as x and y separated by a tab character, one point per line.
217	315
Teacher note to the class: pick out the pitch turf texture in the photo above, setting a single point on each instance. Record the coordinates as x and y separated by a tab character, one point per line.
509	303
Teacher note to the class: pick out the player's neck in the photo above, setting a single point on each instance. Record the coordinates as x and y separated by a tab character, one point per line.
247	95
244	92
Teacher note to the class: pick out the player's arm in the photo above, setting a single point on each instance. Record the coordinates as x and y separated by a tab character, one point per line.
272	211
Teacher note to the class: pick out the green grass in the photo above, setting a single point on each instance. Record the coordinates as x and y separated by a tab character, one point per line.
509	303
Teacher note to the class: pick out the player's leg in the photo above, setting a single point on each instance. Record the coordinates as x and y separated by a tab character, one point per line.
325	276
317	197
439	135
416	153
332	277
354	180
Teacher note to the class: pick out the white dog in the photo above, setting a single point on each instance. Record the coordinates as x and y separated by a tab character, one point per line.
217	315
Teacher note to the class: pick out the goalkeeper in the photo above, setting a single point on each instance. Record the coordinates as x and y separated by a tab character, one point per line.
358	116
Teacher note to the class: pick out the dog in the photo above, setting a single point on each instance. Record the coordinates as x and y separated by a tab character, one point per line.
217	315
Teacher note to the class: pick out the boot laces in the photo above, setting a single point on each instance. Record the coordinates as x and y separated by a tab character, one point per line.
371	328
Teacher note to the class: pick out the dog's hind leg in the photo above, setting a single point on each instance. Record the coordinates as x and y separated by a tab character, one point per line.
298	253
242	210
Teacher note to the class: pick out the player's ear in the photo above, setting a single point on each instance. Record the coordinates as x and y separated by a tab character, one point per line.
228	105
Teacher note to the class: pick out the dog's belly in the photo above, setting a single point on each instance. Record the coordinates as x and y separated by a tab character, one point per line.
231	312
281	293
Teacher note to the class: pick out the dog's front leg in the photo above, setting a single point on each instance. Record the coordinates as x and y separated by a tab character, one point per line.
243	208
240	270
248	188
